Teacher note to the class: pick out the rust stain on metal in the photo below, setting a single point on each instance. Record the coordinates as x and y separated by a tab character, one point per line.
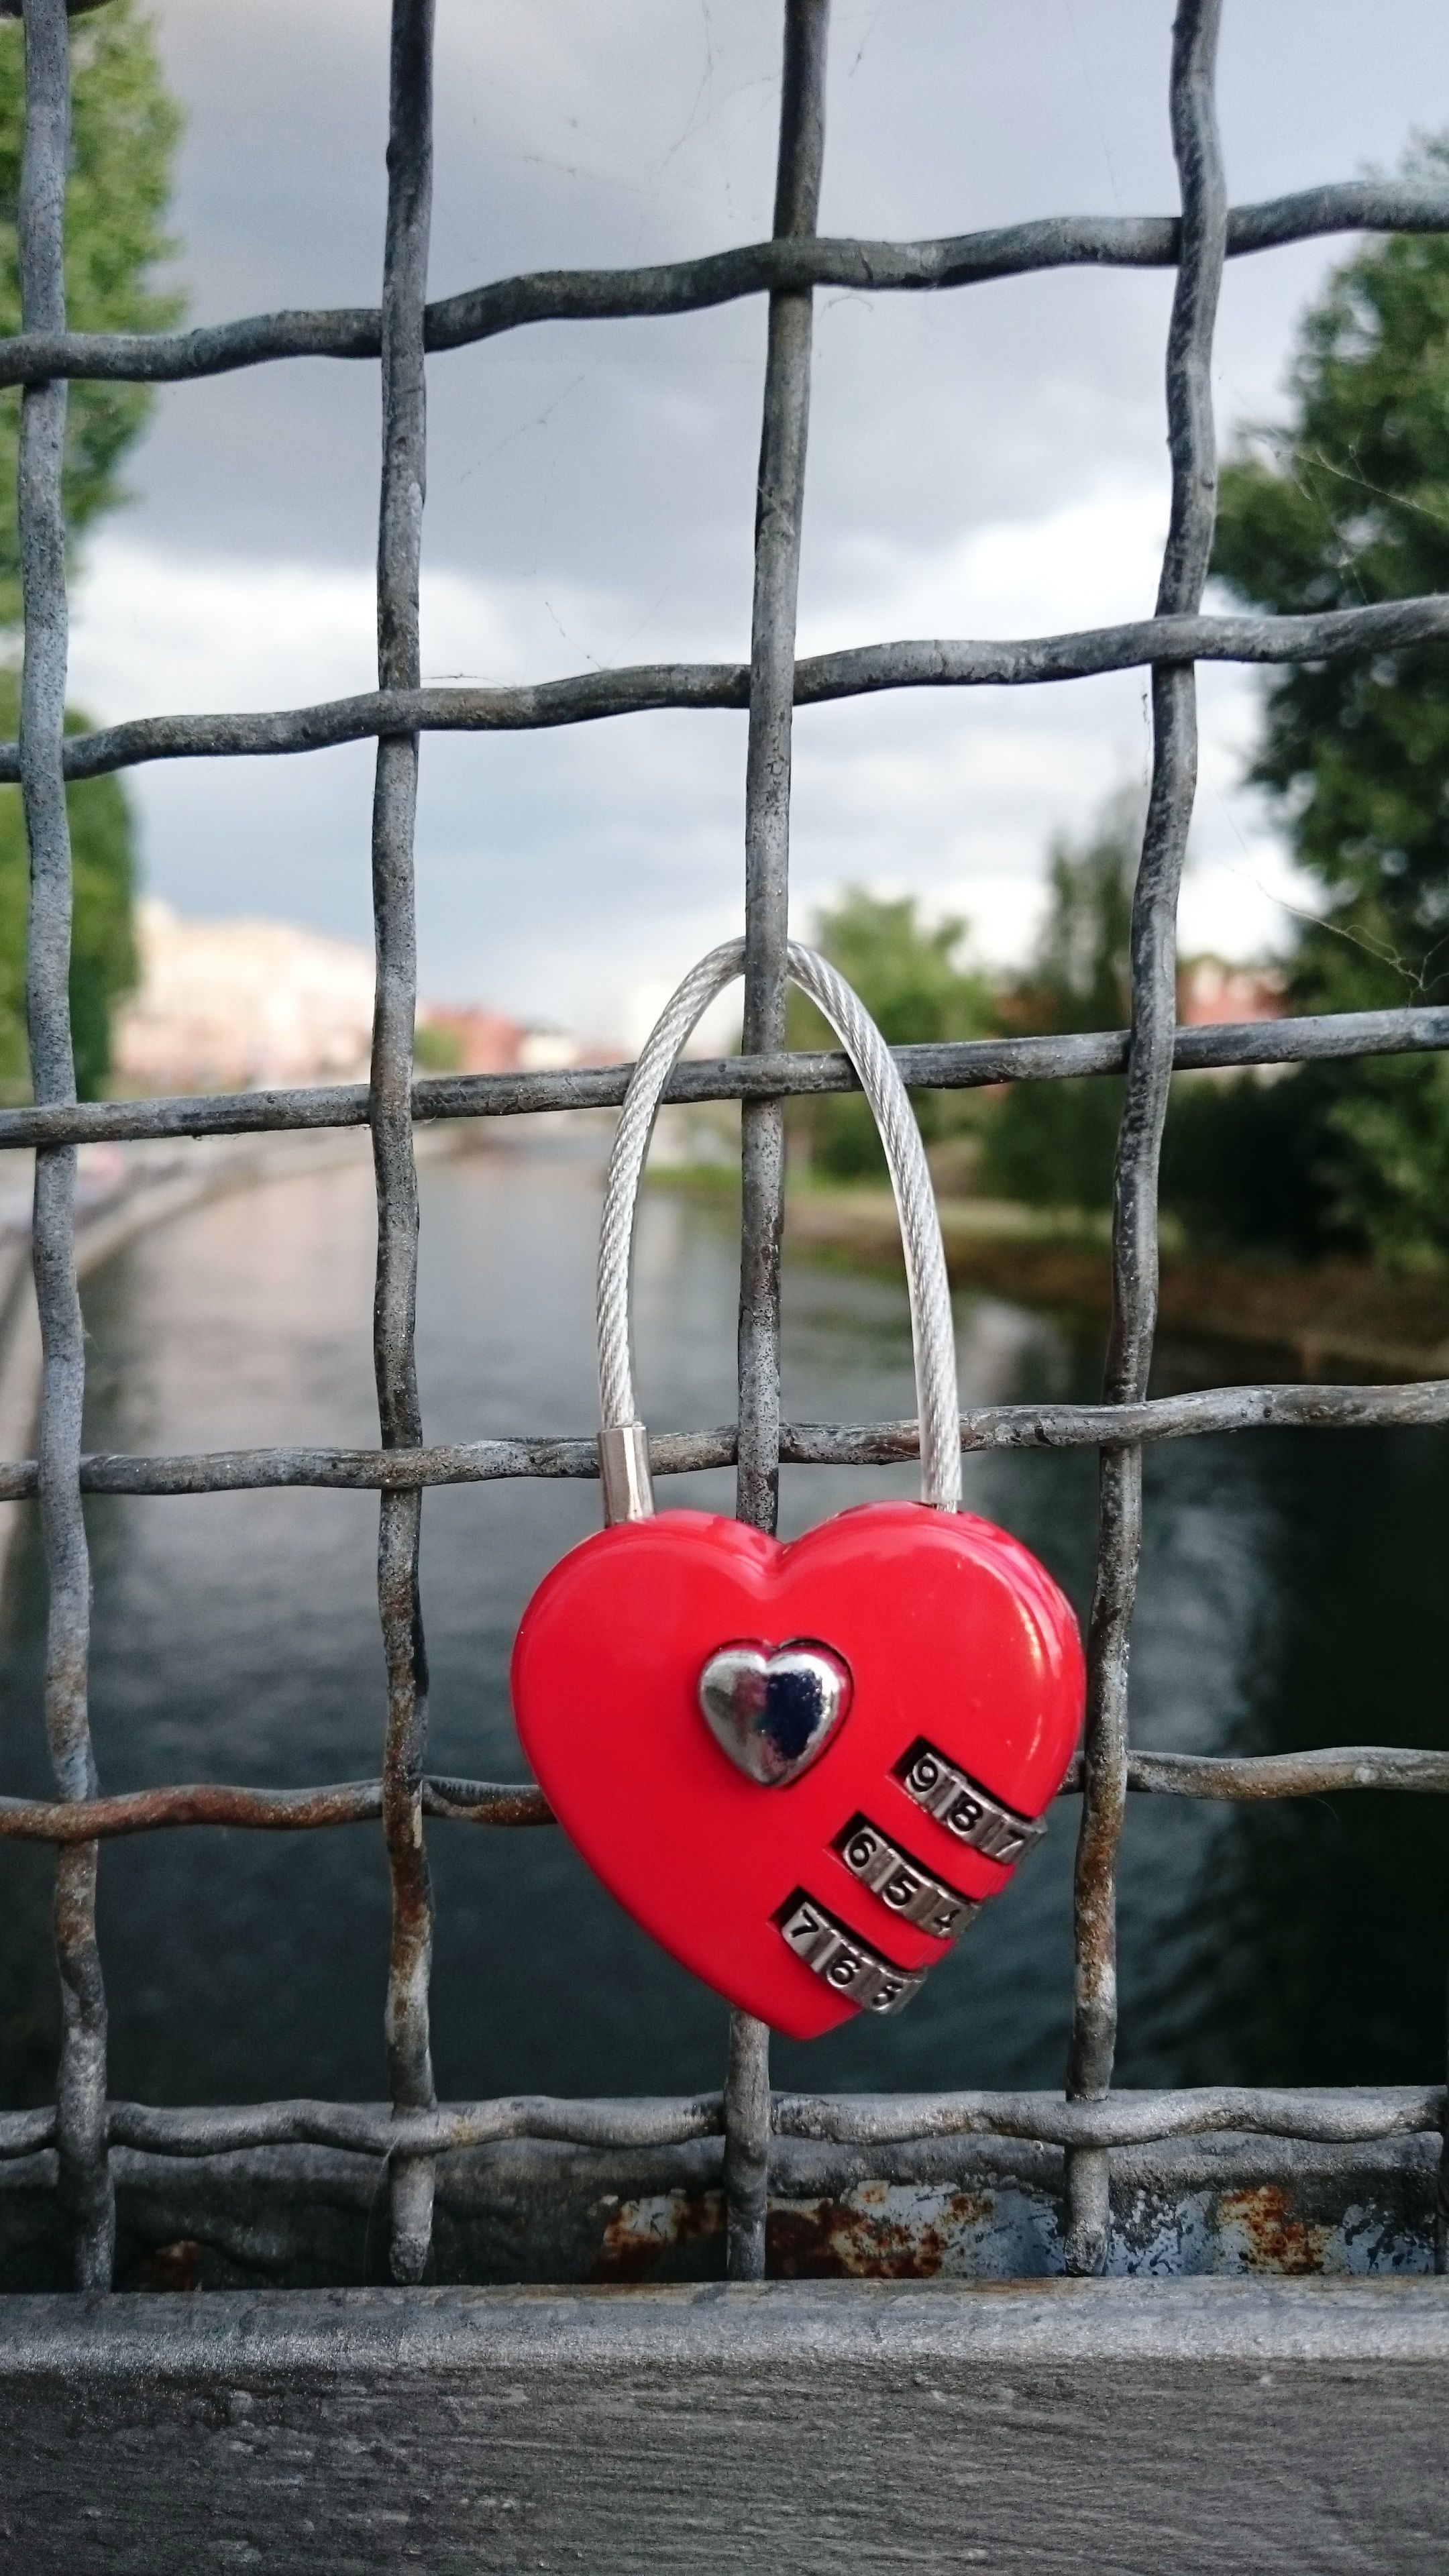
863	2237
642	2234
871	2233
168	2267
1274	2239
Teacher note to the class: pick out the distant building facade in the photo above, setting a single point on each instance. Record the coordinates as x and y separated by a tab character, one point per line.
264	1005
237	1005
486	1042
1211	990
479	1041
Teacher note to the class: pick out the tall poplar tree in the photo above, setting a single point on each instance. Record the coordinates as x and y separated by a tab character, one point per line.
123	141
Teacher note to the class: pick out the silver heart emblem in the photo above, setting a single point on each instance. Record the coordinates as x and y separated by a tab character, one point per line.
774	1710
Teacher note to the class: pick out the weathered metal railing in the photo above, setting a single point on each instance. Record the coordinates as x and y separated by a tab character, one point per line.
1090	2122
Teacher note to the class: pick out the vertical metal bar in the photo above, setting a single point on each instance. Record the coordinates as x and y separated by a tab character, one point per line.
778	510
404	460
1149	1070
1442	2193
85	2179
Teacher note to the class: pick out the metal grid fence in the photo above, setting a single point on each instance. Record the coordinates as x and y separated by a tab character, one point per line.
1088	2122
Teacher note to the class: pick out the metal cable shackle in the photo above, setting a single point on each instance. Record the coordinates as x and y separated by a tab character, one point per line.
623	1446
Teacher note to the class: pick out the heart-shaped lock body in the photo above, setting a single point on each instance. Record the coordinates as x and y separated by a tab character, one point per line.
801	1768
955	1639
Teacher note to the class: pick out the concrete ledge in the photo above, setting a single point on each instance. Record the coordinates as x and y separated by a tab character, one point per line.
1152	2426
688	2325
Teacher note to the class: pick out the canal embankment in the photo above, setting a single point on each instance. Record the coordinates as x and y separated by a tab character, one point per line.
124	1191
1322	1317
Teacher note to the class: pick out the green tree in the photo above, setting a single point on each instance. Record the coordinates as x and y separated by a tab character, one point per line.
910	977
124	133
124	129
1344	503
1053	1143
1079	977
436	1049
1237	1167
103	953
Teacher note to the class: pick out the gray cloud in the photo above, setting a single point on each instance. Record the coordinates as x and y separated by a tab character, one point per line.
590	487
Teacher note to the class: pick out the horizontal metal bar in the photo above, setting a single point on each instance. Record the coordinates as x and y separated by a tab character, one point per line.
1246	1776
967	1064
371	2129
369	1470
1239	1777
345	1802
802	1444
1338	2117
865	670
1122	2120
1160	1417
722	277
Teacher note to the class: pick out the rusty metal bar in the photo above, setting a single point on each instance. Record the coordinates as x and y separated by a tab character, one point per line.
1314	1774
1441	2198
510	1804
85	2181
399	552
501	1804
864	670
779	508
1326	2117
1149	1074
782	265
949	1065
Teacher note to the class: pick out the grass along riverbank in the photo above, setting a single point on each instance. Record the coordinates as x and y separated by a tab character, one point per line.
1326	1315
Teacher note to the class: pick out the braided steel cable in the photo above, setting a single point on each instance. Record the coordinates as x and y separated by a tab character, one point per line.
930	1295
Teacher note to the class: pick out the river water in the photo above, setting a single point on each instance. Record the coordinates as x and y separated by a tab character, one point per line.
1293	1593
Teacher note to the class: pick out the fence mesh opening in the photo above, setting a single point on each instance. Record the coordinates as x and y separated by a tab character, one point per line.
1087	2121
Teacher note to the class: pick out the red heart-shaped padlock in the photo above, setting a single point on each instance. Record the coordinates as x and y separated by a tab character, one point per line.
965	1673
803	1767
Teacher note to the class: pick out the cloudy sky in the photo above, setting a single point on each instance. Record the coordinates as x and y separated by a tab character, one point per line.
989	461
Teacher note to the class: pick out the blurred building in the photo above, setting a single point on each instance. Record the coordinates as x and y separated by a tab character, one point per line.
546	1049
248	1005
1211	990
475	1041
235	1005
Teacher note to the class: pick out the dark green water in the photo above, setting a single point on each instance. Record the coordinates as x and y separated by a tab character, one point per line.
1293	1594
